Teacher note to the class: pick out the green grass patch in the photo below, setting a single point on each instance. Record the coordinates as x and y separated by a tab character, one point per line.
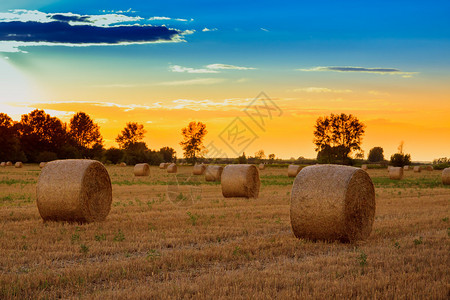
16	181
421	182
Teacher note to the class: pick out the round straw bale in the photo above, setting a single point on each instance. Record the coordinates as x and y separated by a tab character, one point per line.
199	169
293	170
364	167
261	166
9	164
396	173
240	181
213	173
417	169
163	165
332	202
446	176
430	168
74	190
141	169
172	168
3	164
18	164
42	164
122	164
405	168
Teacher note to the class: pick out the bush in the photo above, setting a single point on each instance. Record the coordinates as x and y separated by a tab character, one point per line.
400	159
376	154
46	156
113	155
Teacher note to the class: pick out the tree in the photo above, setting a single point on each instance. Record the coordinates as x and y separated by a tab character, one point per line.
337	136
114	155
271	158
376	154
40	132
131	134
242	159
192	143
168	154
260	154
84	131
400	159
9	141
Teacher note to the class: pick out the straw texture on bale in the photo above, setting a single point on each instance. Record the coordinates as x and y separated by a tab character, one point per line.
332	202
405	168
199	169
293	170
9	164
240	181
163	165
122	164
74	190
18	164
42	164
3	164
417	169
396	173
172	168
261	166
213	173
364	167
141	169
446	176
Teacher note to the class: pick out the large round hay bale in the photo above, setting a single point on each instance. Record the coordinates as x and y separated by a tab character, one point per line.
446	176
293	170
213	173
42	164
199	169
18	164
430	168
141	169
396	173
332	202
261	166
364	167
172	168
8	164
417	169
122	164
163	166
405	168
74	190
240	181
3	164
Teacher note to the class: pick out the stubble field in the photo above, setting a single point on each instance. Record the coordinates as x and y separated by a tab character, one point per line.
168	240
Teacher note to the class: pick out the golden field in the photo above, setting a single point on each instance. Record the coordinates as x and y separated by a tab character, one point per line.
166	241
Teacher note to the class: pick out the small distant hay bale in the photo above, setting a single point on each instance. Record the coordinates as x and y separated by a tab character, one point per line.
405	168
261	166
293	170
430	168
163	166
364	167
396	173
199	169
18	165
74	190
417	169
213	173
240	181
42	164
122	164
172	168
446	176
8	164
3	164
141	169
332	202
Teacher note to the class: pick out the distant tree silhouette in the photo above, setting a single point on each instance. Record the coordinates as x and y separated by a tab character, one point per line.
113	155
242	159
376	154
260	154
168	154
9	141
192	143
271	158
84	131
131	134
400	159
336	136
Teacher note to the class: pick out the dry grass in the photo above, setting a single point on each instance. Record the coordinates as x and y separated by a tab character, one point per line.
220	248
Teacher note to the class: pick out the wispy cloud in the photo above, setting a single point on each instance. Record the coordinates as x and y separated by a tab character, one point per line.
197	81
382	71
212	68
321	90
21	28
264	29
209	29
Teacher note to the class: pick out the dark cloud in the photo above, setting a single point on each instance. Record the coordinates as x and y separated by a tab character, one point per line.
64	33
75	18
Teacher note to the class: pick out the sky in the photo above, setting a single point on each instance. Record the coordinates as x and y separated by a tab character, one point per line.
258	74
